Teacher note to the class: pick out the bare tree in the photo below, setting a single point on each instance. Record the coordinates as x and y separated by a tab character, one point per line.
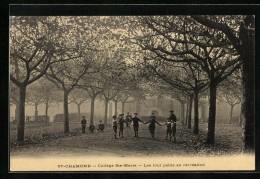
65	77
35	44
180	40
78	96
242	36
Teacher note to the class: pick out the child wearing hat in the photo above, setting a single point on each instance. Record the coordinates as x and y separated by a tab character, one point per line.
83	125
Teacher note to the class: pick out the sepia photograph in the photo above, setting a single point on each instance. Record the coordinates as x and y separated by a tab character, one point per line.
132	93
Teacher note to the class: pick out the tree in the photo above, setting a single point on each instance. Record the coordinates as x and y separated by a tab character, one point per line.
230	93
108	95
66	78
82	50
181	40
183	99
94	88
78	96
50	94
32	48
190	81
242	36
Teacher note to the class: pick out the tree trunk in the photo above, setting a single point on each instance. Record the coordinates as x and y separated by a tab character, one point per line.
66	112
187	113
248	76
116	108
240	118
196	113
248	99
212	113
79	115
21	114
231	114
16	112
92	110
110	110
123	107
182	113
46	112
190	109
36	112
106	106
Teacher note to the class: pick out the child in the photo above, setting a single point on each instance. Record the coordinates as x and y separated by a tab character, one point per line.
121	122
136	121
169	129
152	122
91	127
173	120
114	124
83	124
128	119
101	126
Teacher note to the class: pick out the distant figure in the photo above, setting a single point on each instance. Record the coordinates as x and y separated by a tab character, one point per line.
168	129
121	122
83	124
91	127
152	122
114	124
173	120
136	121
128	119
101	126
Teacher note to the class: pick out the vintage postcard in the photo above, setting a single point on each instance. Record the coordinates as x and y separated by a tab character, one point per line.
131	93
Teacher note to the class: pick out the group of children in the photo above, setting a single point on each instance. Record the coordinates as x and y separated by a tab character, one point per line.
119	123
101	126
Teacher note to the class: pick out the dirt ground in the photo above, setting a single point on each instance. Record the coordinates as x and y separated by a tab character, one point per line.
228	142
